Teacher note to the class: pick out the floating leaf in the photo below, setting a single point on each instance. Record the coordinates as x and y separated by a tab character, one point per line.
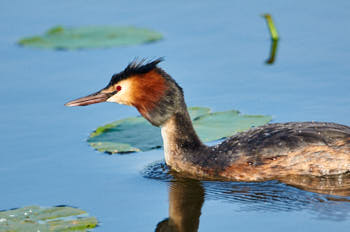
218	125
35	218
91	37
126	135
136	134
198	111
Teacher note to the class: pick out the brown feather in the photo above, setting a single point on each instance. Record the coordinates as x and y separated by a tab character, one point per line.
147	90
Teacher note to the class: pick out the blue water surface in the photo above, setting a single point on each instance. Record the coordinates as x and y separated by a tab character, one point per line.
216	50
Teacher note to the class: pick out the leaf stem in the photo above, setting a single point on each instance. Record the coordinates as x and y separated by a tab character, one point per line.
271	26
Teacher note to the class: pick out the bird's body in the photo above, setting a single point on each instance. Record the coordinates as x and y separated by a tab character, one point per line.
272	151
267	152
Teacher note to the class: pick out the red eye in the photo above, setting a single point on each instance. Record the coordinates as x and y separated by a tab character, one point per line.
118	88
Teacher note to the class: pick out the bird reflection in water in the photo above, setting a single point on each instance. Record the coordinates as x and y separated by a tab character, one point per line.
186	198
328	198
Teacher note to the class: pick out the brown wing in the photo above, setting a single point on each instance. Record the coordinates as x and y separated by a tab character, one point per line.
306	148
281	138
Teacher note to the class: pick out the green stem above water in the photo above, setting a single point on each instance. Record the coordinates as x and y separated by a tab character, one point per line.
271	26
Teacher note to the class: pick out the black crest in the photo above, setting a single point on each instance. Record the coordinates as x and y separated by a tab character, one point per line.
134	68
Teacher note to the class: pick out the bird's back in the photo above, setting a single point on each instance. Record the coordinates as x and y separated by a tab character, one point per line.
282	149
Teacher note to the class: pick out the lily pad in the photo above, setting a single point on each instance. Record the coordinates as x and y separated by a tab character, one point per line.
136	134
218	125
91	37
36	218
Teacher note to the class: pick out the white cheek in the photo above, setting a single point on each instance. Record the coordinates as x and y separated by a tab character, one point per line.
114	98
121	97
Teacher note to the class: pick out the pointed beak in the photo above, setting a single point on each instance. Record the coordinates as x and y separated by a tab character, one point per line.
97	97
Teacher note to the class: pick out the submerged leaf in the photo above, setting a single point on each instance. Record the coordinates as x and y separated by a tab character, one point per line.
91	37
35	218
136	134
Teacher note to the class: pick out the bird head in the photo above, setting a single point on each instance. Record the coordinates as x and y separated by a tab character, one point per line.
143	85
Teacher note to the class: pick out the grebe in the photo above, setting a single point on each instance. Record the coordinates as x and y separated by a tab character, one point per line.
272	151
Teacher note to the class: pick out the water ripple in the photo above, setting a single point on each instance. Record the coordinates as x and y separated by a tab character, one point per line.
272	196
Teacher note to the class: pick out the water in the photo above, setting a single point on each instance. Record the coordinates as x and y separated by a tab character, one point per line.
216	51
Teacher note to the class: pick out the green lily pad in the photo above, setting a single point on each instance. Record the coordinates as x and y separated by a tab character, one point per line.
126	135
91	37
198	111
218	125
136	134
36	218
